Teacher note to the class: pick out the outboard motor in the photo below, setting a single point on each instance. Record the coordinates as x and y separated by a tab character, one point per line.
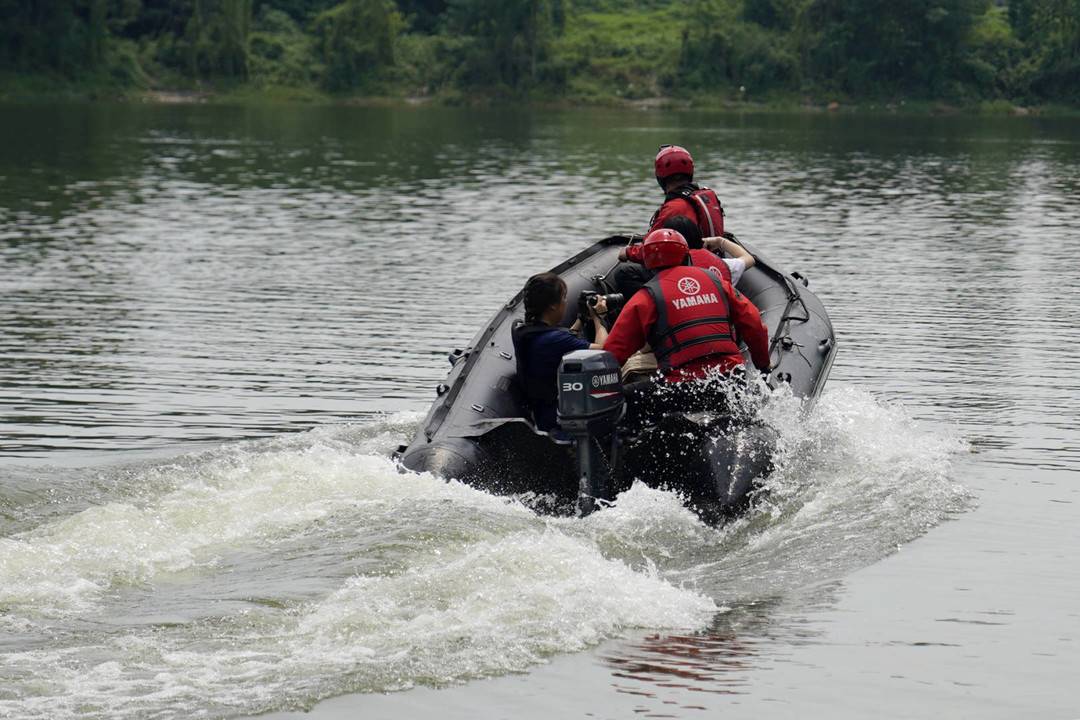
591	403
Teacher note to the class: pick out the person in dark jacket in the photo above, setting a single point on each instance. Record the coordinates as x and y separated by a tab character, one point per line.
540	343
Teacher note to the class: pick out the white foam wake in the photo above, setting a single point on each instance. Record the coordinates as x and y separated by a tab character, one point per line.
342	574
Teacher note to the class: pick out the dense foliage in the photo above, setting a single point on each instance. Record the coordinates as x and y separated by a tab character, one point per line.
1020	50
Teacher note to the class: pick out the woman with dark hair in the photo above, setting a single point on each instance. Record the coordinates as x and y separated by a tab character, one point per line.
540	343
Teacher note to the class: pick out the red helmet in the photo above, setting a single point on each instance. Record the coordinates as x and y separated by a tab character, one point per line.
664	248
673	160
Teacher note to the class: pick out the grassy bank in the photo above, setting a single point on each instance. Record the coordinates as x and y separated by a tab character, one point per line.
47	88
920	57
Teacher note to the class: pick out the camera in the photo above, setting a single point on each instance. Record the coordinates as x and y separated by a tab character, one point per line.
590	298
612	299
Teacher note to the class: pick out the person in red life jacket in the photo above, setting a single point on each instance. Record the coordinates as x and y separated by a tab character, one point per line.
688	315
701	251
540	342
675	174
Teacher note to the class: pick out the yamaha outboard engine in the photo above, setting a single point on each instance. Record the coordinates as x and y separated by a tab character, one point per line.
591	403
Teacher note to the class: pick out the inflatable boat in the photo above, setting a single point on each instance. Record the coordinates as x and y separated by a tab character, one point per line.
478	429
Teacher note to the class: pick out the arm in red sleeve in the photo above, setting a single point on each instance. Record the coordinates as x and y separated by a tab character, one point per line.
631	330
671	209
747	321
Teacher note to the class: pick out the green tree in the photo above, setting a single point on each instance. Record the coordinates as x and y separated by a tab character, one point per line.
65	36
355	40
1020	16
1052	70
217	37
882	46
774	14
423	15
302	11
994	50
508	40
720	50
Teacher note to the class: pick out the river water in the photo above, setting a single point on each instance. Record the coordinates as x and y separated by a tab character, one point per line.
216	324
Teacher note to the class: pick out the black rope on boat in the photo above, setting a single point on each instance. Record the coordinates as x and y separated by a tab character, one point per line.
794	298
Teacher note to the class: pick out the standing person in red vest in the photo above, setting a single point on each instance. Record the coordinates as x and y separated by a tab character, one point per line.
690	317
675	174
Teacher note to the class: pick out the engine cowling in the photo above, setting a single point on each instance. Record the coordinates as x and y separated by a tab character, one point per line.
590	392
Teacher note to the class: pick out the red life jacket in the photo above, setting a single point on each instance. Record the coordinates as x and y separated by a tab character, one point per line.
708	211
709	260
692	317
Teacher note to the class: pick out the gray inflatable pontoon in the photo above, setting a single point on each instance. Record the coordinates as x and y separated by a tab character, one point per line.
476	430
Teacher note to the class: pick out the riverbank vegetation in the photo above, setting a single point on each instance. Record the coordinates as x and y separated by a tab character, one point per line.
960	52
